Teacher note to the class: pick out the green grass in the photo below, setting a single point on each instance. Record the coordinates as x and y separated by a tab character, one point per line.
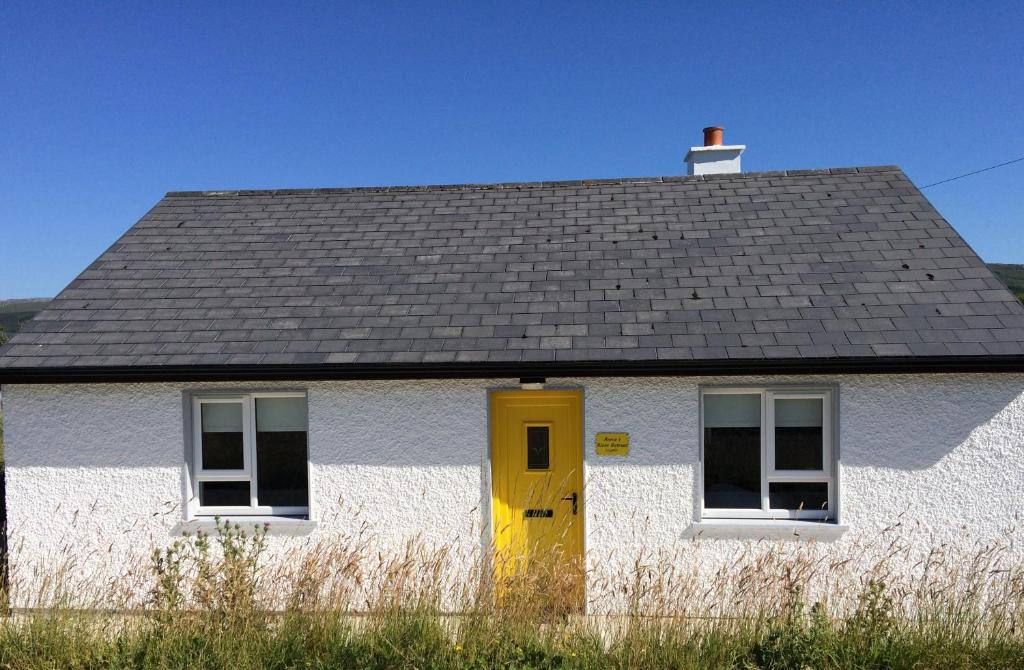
13	313
23	305
1011	275
206	608
422	639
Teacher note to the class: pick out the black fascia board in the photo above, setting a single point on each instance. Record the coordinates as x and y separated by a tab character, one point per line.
478	370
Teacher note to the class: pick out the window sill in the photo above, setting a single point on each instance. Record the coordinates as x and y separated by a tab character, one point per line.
764	529
275	525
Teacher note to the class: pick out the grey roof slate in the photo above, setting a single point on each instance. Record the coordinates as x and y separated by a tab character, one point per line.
820	264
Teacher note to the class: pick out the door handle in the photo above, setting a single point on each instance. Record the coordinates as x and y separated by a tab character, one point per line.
575	501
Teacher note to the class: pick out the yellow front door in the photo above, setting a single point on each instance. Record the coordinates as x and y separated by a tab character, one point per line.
537	496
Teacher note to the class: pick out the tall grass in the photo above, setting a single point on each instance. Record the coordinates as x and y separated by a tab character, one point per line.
222	601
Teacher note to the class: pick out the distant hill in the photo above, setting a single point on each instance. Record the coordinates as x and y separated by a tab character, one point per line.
1012	275
13	313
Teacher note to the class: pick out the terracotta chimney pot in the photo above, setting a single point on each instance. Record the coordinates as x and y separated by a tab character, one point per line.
712	136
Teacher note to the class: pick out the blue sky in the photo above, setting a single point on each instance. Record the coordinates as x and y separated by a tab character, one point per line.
104	107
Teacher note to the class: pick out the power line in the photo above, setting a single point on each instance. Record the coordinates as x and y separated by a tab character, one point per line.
993	167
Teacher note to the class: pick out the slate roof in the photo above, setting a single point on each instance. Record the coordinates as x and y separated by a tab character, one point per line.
818	266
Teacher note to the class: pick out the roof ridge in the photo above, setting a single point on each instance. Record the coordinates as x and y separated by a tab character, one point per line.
537	184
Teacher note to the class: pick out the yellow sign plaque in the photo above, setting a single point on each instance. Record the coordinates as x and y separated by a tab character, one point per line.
612	444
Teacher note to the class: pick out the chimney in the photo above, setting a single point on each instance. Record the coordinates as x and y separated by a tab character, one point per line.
714	157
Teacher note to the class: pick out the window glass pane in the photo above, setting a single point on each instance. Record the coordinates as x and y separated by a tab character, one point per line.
281	414
538	448
224	494
222	435
798	434
732	451
732	410
282	472
798	495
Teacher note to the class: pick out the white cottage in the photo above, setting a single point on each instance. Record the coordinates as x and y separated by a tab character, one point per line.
640	363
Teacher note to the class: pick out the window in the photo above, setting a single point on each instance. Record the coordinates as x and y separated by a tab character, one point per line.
767	453
250	454
538	448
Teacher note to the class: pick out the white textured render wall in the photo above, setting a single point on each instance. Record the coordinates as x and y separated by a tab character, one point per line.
96	475
942	456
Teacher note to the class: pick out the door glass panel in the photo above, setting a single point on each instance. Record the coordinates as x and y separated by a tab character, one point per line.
538	448
798	495
732	451
222	436
281	462
224	494
799	434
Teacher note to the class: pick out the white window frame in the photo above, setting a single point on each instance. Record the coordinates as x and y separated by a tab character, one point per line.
769	474
250	462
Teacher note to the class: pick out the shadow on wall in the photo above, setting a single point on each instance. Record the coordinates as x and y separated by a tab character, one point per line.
418	423
421	423
445	423
908	422
905	422
4	565
913	422
97	425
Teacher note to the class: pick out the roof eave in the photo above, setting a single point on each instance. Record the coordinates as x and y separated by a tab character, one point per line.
480	370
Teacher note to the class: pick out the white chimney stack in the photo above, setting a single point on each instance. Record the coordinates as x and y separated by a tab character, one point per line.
714	157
